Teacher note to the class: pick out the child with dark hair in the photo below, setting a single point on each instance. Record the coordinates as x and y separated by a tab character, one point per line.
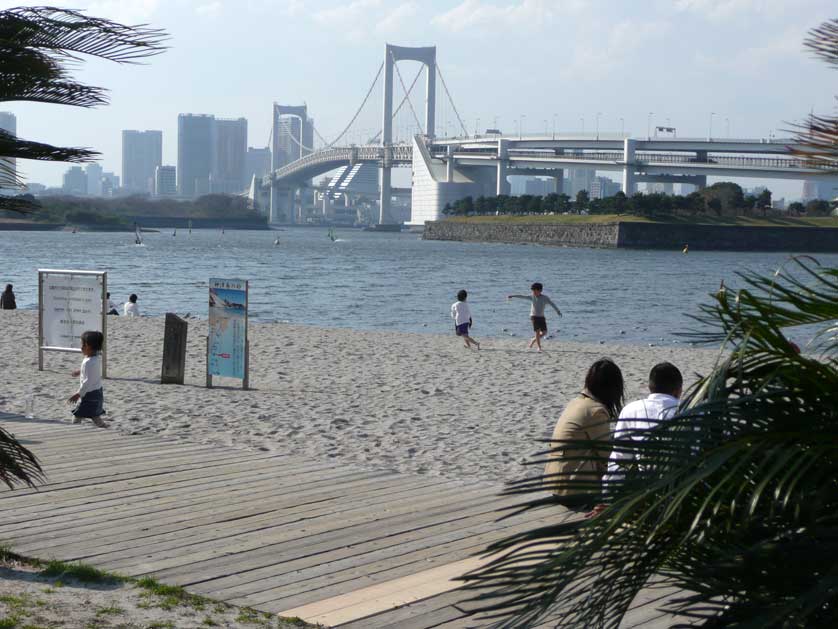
461	313
538	305
90	399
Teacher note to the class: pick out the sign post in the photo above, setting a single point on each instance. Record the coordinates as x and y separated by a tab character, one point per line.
69	303
227	344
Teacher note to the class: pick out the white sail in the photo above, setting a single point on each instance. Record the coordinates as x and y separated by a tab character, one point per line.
138	236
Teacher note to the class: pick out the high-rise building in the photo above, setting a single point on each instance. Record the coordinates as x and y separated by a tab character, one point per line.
8	123
75	181
142	152
94	180
538	186
165	181
257	162
602	187
826	189
294	137
229	152
110	184
195	149
579	179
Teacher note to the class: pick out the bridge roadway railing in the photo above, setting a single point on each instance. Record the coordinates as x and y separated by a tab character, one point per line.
398	154
650	157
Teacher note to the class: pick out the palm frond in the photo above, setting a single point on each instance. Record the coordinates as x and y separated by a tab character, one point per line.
823	42
17	464
68	33
723	501
12	146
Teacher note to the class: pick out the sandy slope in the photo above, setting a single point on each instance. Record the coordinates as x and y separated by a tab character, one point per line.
416	403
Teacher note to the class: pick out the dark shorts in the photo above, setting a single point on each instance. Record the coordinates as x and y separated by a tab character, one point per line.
539	324
462	329
91	405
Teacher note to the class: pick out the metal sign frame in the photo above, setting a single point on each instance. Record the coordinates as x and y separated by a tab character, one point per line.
246	379
104	311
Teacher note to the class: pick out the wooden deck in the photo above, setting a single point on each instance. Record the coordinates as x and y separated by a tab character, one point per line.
333	544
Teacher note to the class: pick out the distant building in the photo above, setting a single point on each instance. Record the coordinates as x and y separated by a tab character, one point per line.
826	189
537	186
602	187
165	181
229	153
579	179
142	152
257	162
94	180
294	139
194	153
75	181
8	123
110	184
34	188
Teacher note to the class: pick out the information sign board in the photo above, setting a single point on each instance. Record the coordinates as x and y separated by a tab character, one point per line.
69	303
227	341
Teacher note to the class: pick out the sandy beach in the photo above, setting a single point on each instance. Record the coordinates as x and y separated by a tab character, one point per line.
410	402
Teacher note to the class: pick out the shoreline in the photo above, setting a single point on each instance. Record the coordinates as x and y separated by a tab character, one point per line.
415	403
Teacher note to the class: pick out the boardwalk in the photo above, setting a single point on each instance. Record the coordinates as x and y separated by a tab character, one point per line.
332	544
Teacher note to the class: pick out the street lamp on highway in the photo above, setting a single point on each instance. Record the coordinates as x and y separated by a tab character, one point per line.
521	125
710	126
554	126
649	125
598	114
622	127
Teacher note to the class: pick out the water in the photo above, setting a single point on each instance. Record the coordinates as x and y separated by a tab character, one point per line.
392	282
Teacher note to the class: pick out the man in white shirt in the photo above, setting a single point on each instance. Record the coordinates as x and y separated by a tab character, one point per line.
665	387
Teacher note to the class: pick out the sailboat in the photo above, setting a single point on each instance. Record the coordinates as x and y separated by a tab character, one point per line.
332	235
138	236
190	226
276	241
174	232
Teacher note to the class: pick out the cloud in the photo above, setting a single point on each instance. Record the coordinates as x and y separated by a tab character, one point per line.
209	9
479	14
360	19
725	9
131	12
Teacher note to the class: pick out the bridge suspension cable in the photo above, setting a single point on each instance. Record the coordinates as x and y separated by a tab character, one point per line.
401	104
404	87
451	100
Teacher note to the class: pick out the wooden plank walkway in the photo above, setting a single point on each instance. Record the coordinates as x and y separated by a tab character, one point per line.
333	544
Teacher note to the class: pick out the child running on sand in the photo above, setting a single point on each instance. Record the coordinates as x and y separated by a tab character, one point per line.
538	303
461	314
89	396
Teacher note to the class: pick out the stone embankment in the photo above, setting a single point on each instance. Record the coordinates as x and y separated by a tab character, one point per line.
642	236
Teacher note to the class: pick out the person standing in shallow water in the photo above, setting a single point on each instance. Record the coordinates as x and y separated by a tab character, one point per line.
7	299
538	305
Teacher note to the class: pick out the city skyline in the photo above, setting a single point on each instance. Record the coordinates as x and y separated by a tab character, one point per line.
612	57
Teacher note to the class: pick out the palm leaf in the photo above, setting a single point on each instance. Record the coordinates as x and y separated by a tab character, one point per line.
734	501
17	464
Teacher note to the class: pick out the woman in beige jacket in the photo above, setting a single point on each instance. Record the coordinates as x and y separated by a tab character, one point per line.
588	417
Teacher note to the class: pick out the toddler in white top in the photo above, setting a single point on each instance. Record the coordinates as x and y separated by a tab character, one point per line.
90	399
461	313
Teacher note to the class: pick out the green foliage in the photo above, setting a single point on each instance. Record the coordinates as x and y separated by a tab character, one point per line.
734	501
78	571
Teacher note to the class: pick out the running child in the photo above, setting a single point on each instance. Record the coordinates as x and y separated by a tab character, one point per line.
89	396
461	313
538	304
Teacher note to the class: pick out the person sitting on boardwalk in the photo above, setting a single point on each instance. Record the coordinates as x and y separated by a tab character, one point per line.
89	396
461	313
131	309
7	299
665	387
588	418
538	304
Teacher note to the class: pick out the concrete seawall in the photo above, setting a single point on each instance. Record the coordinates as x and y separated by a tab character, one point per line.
642	236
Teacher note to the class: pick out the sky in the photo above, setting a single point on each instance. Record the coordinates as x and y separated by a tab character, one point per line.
508	62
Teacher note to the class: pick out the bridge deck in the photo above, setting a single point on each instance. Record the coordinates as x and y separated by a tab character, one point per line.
330	543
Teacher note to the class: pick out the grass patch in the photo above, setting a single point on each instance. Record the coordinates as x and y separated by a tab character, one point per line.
169	596
78	571
253	617
9	622
111	610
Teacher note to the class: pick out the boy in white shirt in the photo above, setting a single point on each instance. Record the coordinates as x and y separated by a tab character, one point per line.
461	314
131	308
89	396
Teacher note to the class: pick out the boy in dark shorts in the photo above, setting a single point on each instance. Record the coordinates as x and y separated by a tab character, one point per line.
461	314
538	303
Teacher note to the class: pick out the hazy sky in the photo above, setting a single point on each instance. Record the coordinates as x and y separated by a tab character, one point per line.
680	59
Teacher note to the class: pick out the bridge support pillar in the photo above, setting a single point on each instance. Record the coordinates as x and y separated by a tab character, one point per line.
449	165
282	204
701	182
629	146
503	160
